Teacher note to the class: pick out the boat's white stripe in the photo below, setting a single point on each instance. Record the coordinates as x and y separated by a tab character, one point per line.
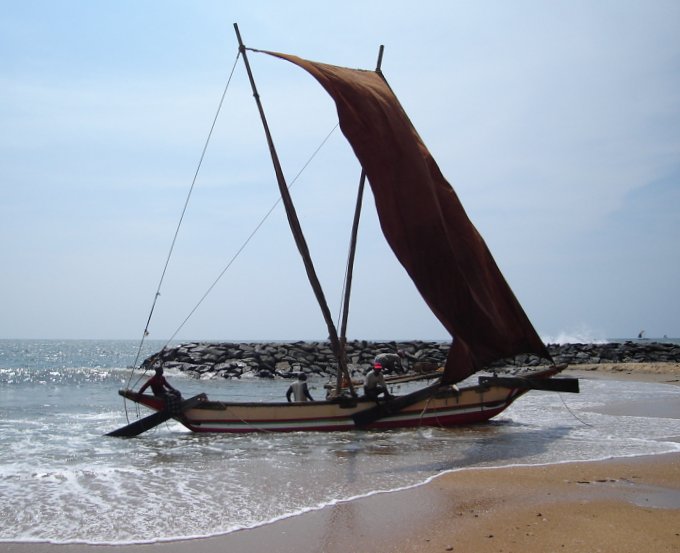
346	421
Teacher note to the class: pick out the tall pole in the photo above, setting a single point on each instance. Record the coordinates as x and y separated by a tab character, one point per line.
294	222
353	247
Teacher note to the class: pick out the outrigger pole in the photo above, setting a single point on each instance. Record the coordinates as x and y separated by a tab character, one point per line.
150	421
294	224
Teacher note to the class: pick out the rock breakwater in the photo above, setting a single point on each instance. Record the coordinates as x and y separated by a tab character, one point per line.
287	359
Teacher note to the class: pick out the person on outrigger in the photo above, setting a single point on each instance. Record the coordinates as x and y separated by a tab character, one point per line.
160	385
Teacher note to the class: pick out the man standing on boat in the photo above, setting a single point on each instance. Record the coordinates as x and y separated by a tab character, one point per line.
392	362
374	385
299	390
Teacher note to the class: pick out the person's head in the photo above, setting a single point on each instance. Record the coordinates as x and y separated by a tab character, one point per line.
302	376
377	367
159	369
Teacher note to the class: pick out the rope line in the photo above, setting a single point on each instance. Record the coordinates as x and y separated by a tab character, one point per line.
179	224
181	219
250	237
251	424
574	414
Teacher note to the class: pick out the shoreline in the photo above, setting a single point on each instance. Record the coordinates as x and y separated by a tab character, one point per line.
532	508
663	373
529	508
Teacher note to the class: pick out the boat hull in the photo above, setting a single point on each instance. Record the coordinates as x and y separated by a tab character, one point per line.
448	407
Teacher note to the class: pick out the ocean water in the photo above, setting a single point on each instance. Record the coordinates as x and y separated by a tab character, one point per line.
63	481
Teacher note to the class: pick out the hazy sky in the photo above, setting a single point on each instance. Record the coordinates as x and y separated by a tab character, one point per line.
556	122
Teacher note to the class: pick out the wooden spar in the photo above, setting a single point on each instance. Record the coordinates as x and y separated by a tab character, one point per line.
392	406
523	383
293	220
350	258
142	425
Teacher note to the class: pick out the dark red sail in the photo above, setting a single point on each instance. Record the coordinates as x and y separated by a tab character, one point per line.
426	226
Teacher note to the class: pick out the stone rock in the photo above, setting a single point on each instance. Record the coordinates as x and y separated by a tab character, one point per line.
285	360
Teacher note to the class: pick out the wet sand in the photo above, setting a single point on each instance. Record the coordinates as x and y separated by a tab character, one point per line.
668	373
621	505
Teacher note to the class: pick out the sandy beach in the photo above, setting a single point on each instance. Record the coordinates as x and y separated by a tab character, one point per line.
618	505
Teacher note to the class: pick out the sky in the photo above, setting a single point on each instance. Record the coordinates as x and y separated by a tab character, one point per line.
557	123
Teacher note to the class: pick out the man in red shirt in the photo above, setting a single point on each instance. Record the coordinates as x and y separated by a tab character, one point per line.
159	385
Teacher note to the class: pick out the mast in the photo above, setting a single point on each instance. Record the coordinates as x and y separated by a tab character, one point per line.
352	250
294	222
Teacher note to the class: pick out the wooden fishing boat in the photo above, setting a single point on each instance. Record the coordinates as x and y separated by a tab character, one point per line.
430	234
443	406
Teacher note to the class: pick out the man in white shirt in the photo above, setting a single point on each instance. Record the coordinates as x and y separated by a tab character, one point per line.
299	390
374	384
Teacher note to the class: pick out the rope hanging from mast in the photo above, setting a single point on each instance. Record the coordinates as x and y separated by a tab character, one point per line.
241	248
337	341
181	219
250	236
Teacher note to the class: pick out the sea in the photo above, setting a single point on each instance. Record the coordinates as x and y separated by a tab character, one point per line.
62	480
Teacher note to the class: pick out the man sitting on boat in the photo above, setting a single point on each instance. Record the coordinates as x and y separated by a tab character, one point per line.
162	388
374	385
299	389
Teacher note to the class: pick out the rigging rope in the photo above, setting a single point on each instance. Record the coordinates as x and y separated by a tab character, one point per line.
574	414
250	236
181	219
239	250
